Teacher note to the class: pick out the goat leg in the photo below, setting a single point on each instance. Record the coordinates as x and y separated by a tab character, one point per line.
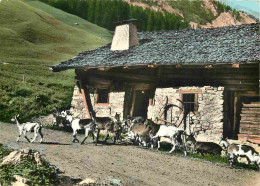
106	138
86	135
97	136
173	148
36	131
40	132
24	133
20	133
75	137
35	136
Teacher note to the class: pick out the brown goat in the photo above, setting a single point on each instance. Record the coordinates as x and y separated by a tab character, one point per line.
108	124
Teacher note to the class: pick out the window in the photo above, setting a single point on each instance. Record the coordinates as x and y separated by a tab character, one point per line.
190	103
189	99
102	96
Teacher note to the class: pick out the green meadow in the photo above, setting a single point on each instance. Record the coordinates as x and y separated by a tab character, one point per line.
33	37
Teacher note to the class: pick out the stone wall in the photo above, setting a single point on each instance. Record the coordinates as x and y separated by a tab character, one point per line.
208	121
77	104
116	104
209	118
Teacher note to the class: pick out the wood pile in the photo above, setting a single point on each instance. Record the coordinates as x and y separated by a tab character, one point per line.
250	122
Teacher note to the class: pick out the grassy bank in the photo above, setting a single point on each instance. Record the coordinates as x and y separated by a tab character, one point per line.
166	147
32	39
37	175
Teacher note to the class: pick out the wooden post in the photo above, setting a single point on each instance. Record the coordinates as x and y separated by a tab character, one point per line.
83	92
236	114
133	104
24	79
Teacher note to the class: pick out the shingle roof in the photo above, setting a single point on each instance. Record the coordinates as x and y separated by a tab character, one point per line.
233	44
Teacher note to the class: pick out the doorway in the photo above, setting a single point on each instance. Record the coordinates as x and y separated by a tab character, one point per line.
140	102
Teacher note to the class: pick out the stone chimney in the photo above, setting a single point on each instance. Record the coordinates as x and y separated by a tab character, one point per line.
125	36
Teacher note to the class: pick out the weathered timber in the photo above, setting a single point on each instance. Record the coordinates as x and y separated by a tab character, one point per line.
249	122
250	131
255	105
253	127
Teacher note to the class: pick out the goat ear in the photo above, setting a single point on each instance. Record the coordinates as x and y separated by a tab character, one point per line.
17	115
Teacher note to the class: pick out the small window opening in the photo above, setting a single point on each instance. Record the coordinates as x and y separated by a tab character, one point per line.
102	96
190	102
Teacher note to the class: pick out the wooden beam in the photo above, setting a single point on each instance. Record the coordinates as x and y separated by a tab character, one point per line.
235	124
83	92
235	65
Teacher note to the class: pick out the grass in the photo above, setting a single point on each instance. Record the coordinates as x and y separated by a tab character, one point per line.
27	168
193	10
166	147
33	37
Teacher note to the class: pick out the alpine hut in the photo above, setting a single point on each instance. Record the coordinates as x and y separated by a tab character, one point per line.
199	79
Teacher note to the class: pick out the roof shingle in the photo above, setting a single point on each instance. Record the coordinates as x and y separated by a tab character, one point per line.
233	44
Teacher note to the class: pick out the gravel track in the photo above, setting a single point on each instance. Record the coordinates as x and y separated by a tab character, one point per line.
132	165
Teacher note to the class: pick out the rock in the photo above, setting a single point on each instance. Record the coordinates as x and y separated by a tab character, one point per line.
37	158
115	182
16	156
13	158
87	181
21	179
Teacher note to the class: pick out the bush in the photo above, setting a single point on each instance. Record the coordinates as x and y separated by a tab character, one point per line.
28	168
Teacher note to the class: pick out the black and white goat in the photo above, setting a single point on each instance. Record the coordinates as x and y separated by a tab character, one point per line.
28	127
87	124
235	150
203	147
62	117
176	135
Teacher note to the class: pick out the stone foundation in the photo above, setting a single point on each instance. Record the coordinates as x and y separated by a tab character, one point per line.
116	105
208	120
77	104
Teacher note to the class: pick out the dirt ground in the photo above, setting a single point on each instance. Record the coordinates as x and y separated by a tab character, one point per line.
132	165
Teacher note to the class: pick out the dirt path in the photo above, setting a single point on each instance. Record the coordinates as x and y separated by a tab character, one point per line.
132	165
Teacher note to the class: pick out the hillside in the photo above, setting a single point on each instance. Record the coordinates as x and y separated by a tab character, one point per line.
155	14
199	13
34	36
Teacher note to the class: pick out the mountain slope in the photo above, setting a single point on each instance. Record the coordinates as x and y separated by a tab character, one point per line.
70	19
199	13
31	40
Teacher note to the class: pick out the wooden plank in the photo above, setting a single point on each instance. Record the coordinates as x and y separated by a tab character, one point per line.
249	112
255	105
251	138
83	92
252	109
256	131
185	91
217	66
251	127
249	122
250	115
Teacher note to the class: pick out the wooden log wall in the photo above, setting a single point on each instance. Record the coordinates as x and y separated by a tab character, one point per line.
239	78
250	122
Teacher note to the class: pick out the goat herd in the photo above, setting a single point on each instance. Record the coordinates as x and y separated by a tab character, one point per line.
140	132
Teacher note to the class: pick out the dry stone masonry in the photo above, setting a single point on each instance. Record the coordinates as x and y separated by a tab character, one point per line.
208	120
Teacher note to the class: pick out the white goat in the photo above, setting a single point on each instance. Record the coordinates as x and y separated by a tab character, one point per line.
236	150
28	127
173	133
87	124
